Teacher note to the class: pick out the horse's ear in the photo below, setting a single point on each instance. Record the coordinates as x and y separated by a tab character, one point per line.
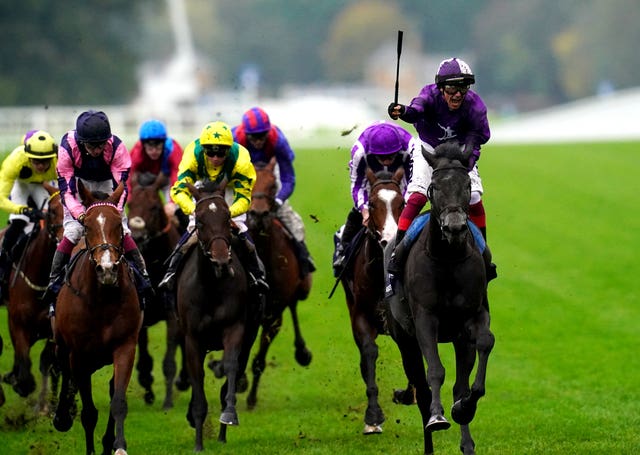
85	195
117	193
430	157
371	176
272	163
466	153
223	185
195	192
161	180
397	176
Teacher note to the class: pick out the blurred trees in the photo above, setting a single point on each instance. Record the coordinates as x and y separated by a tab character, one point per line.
67	52
527	52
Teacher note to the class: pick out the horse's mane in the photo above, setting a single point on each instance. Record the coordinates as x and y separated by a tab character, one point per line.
210	186
449	150
100	195
384	175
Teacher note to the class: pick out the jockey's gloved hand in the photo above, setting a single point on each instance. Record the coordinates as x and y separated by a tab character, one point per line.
395	110
33	214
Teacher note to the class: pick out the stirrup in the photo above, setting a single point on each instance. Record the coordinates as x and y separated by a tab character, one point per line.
168	282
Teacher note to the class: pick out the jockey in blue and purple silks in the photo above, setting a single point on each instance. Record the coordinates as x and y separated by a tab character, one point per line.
265	141
445	111
90	154
381	146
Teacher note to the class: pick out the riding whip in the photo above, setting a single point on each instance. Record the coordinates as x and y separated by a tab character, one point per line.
400	33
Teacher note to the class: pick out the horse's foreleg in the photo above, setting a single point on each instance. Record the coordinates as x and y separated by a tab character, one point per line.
365	338
259	361
198	407
47	371
89	413
123	361
145	366
303	354
427	336
169	367
63	420
230	357
21	378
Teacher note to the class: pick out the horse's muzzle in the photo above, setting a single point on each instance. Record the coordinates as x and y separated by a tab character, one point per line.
454	226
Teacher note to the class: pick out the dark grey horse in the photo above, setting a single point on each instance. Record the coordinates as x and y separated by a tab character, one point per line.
445	301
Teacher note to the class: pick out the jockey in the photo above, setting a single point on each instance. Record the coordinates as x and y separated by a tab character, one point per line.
90	153
21	191
445	111
156	153
381	146
264	141
213	157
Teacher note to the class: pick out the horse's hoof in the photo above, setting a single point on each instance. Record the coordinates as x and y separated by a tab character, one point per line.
229	418
437	423
62	423
404	396
149	397
182	383
303	357
371	429
120	452
463	414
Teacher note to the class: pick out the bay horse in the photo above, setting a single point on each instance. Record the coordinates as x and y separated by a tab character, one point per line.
214	308
363	283
445	284
156	236
98	318
28	316
276	249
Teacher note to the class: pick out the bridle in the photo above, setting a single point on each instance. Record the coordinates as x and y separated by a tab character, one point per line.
105	245
52	227
372	229
205	249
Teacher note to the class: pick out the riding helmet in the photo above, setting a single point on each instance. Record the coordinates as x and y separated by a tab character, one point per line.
40	146
256	121
93	126
384	139
153	130
454	71
216	133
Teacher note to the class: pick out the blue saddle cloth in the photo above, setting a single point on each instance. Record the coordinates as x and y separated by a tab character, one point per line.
421	221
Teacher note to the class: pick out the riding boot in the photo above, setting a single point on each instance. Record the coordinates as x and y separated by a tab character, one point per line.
307	265
349	231
168	282
143	282
255	267
10	239
492	269
396	262
56	278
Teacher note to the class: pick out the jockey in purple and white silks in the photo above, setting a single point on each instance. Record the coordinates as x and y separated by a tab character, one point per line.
382	146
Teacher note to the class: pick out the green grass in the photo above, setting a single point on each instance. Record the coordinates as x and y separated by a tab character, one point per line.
563	377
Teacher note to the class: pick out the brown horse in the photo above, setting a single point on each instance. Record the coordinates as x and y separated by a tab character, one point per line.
97	322
156	236
363	283
2	397
214	309
275	247
28	315
445	284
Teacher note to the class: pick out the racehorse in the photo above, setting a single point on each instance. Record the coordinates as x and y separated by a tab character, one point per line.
28	315
363	283
446	301
156	236
214	308
275	247
97	321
